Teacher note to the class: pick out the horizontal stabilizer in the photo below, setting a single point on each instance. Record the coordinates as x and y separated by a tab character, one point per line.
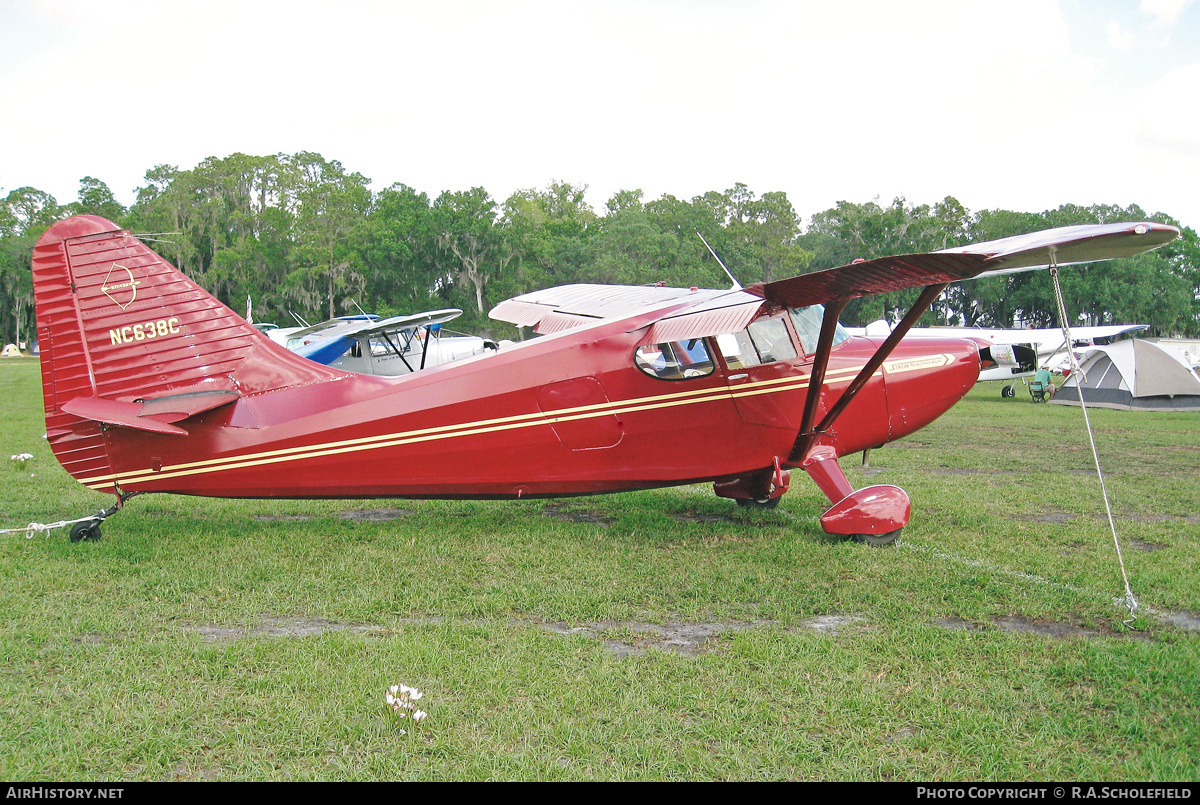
151	415
177	407
112	412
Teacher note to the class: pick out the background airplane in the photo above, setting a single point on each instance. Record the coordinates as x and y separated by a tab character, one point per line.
392	346
1034	348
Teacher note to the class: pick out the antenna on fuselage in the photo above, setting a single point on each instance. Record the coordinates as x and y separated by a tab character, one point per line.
737	286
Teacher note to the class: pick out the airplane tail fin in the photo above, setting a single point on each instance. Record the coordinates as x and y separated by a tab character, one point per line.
128	340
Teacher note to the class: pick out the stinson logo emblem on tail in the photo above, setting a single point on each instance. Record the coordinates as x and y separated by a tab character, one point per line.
122	288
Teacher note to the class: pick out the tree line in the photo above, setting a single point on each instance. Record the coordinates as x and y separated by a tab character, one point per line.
304	239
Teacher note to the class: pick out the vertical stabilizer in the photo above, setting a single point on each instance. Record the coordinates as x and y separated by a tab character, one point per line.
120	326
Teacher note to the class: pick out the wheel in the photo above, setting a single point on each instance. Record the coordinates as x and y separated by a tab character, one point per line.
878	540
89	530
769	503
1007	391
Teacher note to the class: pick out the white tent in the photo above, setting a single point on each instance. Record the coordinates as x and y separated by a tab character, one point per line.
1133	375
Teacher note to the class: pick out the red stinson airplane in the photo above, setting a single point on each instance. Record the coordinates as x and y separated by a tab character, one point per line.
152	385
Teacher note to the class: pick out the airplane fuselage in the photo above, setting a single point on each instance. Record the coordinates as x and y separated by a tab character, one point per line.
565	414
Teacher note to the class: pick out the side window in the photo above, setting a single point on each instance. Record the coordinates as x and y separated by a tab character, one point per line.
738	350
764	341
770	337
677	360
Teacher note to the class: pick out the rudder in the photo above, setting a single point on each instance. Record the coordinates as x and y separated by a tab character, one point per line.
120	326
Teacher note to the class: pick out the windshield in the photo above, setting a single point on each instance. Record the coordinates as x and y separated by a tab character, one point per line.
808	325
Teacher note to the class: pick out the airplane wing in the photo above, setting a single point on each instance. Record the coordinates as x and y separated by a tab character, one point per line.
553	309
687	312
1104	331
1069	245
1064	246
328	350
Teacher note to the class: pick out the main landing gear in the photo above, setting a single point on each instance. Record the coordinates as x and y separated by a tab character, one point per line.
874	515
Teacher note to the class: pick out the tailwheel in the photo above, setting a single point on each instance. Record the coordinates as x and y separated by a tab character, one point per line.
751	503
89	530
877	540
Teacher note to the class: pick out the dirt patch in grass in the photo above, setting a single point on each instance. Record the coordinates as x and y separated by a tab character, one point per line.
688	517
1056	518
374	515
629	638
1013	623
1047	628
357	515
279	627
621	638
1189	621
560	512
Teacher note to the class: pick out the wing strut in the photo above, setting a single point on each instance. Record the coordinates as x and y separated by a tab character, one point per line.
809	435
817	378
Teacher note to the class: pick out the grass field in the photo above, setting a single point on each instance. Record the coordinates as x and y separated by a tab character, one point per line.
664	635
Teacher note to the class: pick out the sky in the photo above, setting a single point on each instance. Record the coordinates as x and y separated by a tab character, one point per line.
1007	104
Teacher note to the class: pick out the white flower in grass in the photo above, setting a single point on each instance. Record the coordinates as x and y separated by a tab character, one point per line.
399	701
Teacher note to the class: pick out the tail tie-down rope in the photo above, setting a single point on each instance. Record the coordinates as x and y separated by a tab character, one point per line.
33	529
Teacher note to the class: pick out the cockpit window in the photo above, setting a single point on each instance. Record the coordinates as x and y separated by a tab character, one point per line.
677	360
764	341
738	350
808	325
771	339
